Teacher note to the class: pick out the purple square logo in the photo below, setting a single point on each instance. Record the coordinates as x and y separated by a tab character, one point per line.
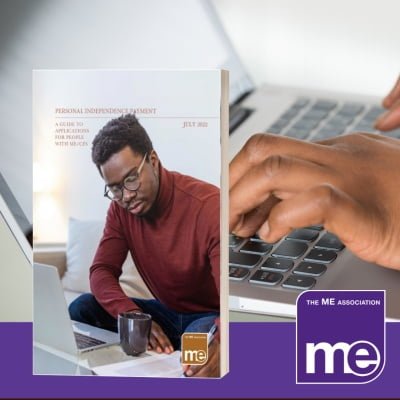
340	336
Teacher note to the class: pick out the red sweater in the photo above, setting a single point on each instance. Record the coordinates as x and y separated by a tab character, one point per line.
176	248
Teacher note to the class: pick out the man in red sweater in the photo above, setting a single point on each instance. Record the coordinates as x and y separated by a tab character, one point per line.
170	224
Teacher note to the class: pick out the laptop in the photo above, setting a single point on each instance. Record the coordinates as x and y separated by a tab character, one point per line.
267	278
52	326
16	259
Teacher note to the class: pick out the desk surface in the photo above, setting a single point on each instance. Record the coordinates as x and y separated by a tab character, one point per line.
49	361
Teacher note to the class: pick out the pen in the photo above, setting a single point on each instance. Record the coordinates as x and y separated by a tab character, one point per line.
211	334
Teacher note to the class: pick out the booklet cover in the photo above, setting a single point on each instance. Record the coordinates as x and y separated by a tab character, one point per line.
129	178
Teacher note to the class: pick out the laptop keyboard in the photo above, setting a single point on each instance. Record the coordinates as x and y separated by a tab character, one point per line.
296	262
320	119
84	342
302	258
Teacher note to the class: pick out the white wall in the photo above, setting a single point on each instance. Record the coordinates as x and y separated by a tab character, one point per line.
343	45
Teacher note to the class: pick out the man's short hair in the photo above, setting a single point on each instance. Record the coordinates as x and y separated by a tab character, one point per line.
116	135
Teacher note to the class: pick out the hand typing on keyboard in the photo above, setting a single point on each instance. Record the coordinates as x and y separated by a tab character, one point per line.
390	119
349	184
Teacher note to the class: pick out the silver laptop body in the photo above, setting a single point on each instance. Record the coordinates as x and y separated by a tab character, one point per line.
52	326
287	111
16	260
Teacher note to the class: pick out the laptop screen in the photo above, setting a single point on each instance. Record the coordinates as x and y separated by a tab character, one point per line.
12	206
239	81
192	38
16	271
16	259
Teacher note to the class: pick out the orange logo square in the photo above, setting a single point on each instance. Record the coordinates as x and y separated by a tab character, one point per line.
194	348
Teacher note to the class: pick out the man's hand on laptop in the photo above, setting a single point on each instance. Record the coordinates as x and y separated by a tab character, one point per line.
159	341
391	118
349	184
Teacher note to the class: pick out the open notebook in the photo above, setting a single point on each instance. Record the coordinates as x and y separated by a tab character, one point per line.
152	365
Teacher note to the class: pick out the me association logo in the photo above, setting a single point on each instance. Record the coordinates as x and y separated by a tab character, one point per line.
194	348
340	336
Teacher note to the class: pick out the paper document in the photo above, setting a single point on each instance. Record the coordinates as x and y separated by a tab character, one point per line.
156	365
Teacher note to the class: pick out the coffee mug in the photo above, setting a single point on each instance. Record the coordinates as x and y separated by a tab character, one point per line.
134	332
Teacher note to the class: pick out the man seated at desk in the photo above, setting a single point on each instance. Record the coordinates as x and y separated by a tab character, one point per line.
170	223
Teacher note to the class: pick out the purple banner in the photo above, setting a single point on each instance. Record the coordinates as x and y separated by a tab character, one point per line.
263	364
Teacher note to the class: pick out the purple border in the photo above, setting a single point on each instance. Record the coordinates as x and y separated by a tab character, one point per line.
262	365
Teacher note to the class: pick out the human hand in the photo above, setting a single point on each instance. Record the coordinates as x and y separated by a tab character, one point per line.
350	184
159	341
211	368
391	118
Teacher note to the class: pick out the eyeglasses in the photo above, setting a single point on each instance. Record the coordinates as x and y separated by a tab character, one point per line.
131	183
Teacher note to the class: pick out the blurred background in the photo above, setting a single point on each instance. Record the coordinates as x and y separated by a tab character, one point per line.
350	46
